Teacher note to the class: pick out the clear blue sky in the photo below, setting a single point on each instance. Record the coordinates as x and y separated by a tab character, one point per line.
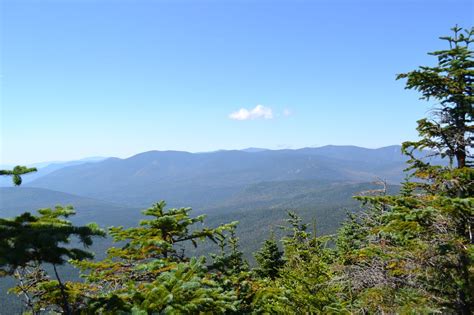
115	78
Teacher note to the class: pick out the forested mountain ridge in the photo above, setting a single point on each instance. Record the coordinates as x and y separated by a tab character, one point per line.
46	168
259	207
16	200
206	179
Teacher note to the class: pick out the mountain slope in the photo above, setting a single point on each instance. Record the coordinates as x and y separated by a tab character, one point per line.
259	207
205	179
16	200
45	168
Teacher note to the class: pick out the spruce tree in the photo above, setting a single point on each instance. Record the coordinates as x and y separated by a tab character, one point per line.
28	242
306	278
150	271
17	172
230	260
269	258
413	252
450	130
451	133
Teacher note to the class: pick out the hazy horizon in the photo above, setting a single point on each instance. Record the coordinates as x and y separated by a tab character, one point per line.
100	157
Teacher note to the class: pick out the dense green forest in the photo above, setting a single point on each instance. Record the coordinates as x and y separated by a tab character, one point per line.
409	250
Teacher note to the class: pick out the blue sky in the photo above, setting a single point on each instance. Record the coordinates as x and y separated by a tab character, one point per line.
115	78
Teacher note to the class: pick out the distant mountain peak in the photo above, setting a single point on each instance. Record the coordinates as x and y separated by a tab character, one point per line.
253	150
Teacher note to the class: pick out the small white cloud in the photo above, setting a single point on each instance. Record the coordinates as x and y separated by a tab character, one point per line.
287	112
259	111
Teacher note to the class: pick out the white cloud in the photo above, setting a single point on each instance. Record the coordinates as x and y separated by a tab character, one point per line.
259	111
287	112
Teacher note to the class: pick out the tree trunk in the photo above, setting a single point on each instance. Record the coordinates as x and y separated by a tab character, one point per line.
461	157
66	308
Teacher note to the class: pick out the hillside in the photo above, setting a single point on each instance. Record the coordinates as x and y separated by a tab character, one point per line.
45	168
259	208
204	179
16	200
255	187
263	207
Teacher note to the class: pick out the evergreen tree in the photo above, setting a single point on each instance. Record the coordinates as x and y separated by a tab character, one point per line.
229	263
306	280
269	259
451	133
231	271
151	273
17	172
27	242
450	130
413	252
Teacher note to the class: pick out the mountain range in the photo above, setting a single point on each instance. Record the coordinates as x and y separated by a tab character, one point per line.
253	186
227	185
45	168
208	179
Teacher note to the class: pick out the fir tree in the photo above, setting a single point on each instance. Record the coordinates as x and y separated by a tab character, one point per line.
151	272
269	259
307	276
413	252
27	242
230	260
450	130
17	172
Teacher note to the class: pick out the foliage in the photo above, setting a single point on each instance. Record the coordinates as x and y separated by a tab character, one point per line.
17	172
269	259
185	289
406	246
27	242
450	131
150	271
232	262
231	271
413	252
307	277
